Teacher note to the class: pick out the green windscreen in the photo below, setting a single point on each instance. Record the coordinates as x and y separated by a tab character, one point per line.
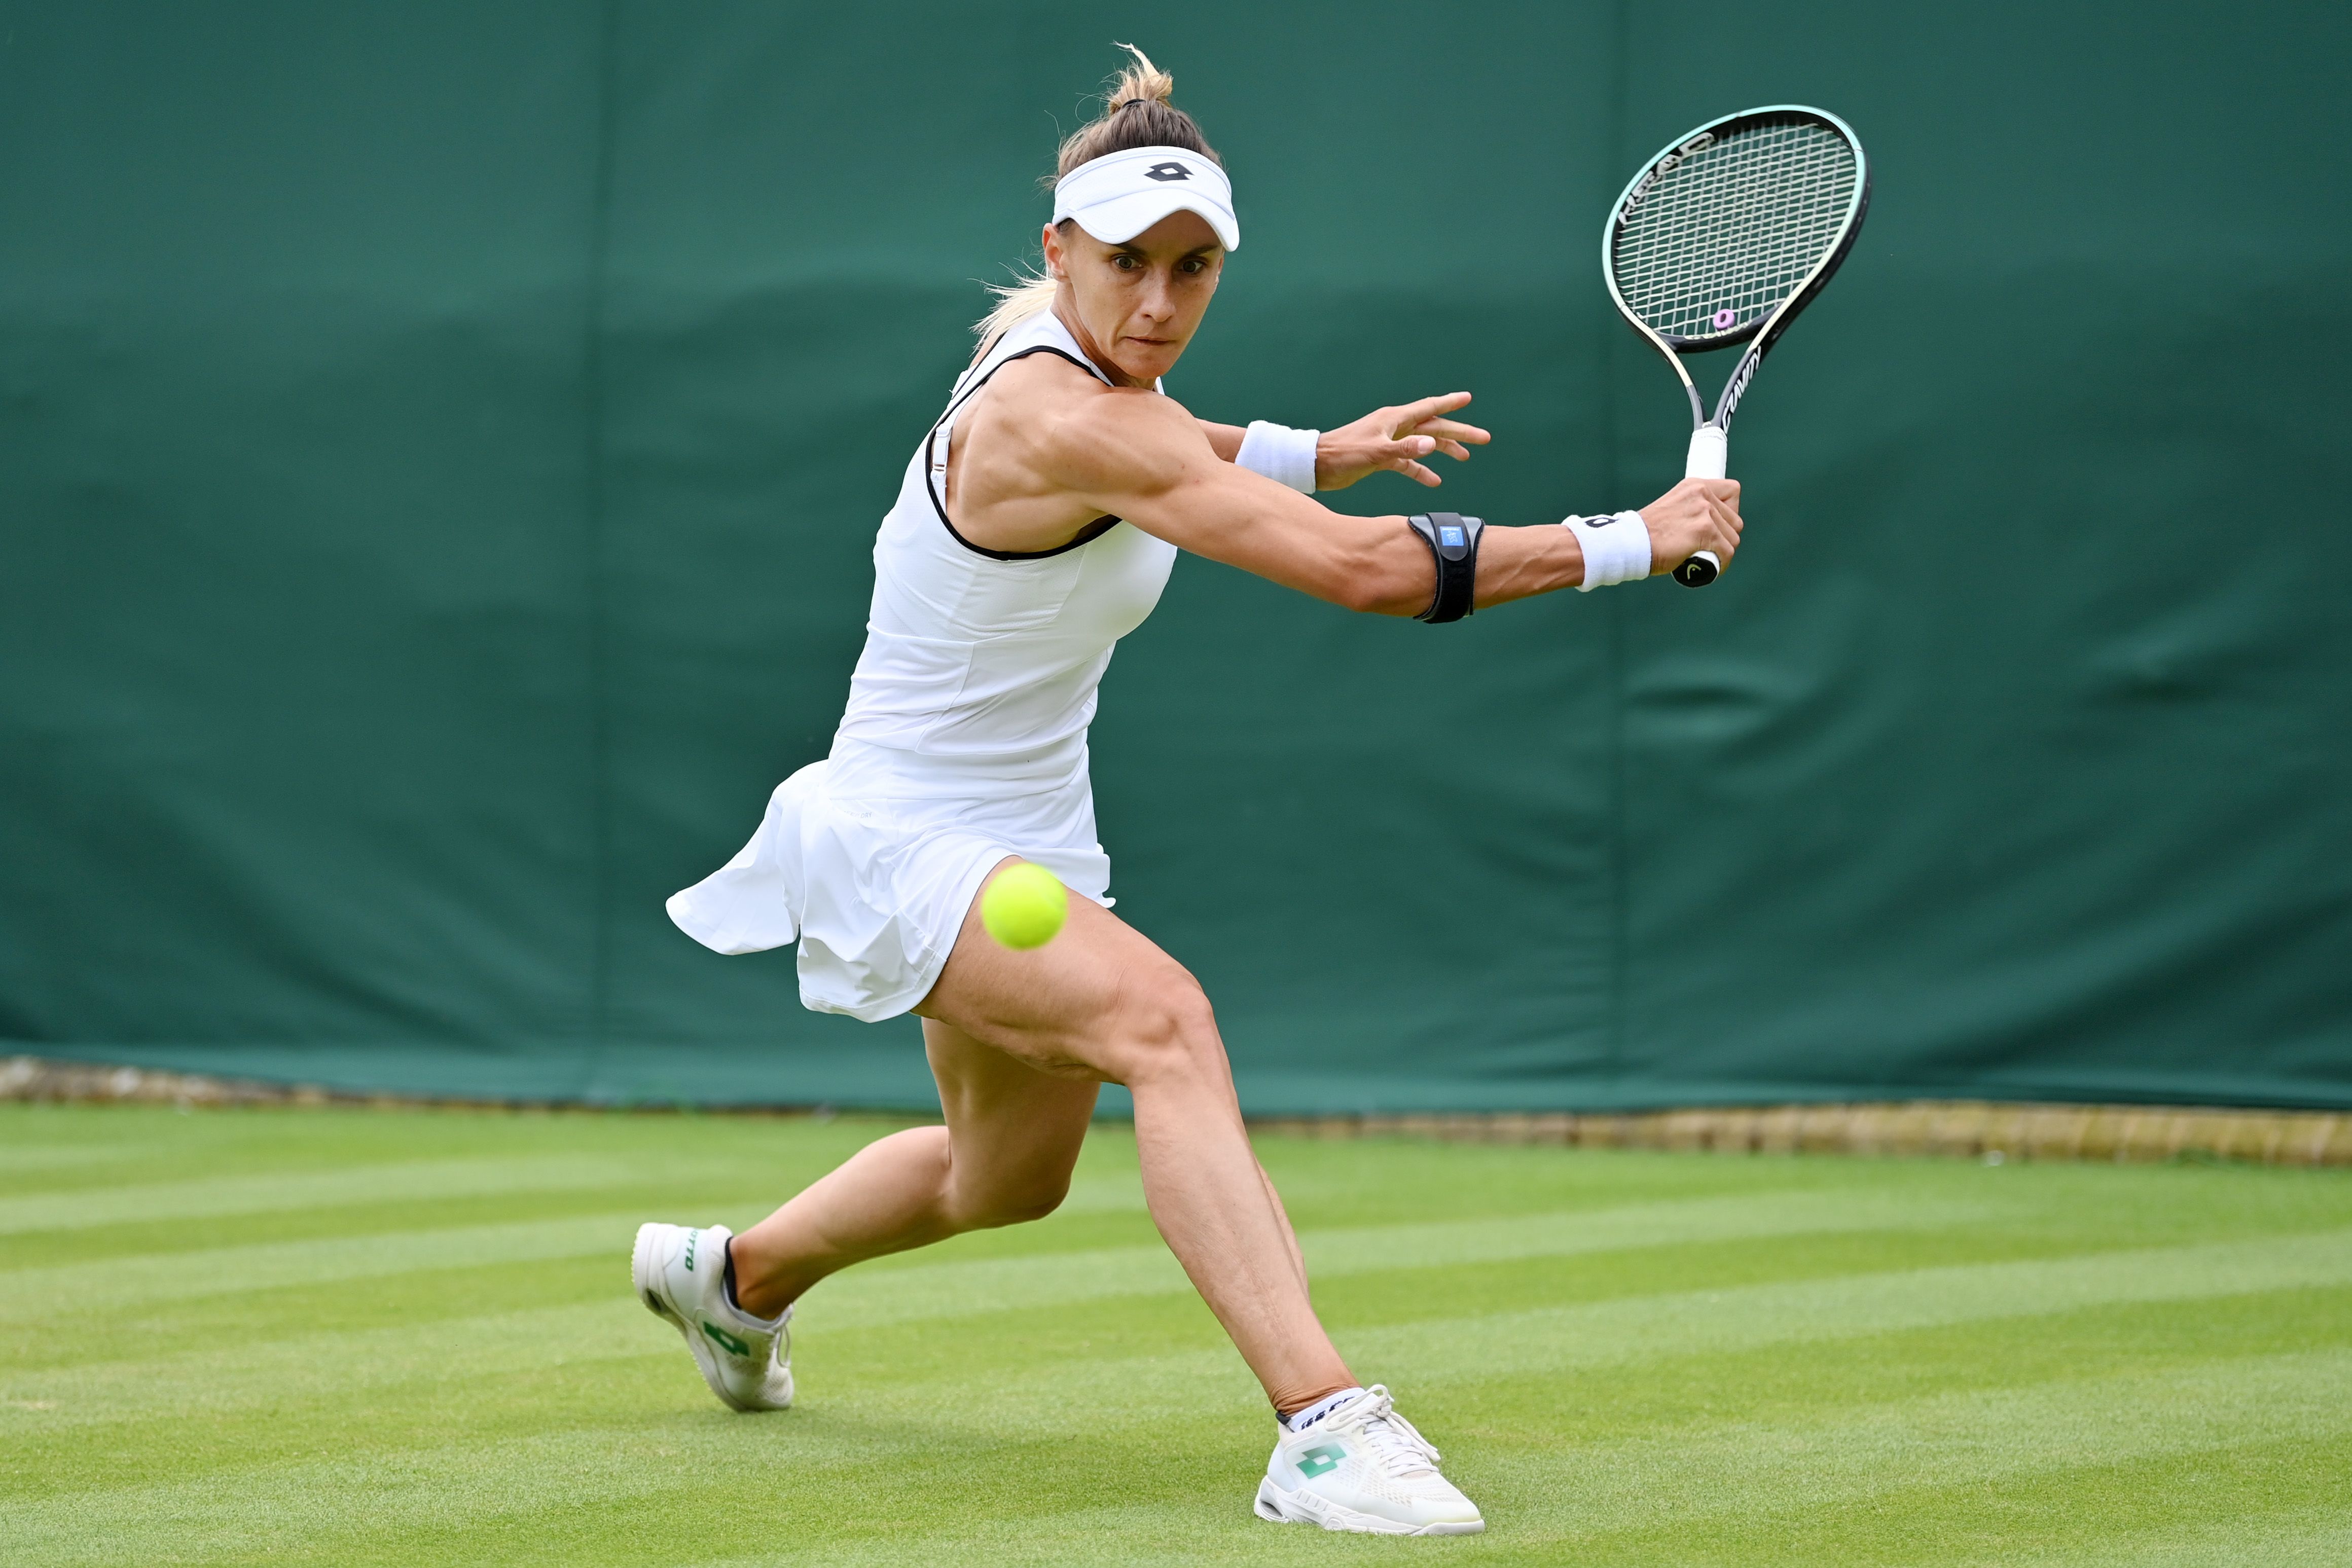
440	448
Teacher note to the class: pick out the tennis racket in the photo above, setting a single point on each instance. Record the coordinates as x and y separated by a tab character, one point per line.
1720	240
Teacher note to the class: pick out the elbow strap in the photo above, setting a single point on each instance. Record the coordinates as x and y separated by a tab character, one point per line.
1453	541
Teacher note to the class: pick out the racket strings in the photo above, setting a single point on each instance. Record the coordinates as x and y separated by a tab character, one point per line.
1732	229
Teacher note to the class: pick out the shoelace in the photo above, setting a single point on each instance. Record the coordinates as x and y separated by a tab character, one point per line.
1402	1450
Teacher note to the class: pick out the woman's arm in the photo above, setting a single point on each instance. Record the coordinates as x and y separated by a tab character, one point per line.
1387	439
1142	457
1225	440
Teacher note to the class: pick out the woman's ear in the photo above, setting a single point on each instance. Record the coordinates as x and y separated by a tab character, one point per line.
1051	243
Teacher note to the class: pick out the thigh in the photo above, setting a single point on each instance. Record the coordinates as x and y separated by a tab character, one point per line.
1013	1131
1060	1007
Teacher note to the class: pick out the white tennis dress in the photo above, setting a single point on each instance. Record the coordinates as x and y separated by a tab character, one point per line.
964	742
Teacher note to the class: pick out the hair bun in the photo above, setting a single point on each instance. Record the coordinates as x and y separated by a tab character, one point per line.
1160	124
1141	82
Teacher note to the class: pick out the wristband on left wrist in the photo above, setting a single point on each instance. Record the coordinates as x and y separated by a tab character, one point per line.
1283	454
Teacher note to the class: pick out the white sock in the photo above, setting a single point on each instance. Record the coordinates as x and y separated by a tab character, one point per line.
1317	1411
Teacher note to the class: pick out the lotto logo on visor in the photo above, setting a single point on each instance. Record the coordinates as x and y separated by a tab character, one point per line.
1116	198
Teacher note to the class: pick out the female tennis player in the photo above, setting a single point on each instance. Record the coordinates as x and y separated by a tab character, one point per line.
1036	525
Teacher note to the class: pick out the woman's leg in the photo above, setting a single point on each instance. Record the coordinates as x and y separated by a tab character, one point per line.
1102	1000
1012	1137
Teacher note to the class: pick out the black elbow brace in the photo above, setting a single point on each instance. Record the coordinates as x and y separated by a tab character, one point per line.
1453	541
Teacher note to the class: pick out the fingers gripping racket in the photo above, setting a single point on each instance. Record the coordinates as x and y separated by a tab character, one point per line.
1720	240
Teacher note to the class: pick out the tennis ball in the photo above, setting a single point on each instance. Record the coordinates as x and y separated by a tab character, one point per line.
1024	906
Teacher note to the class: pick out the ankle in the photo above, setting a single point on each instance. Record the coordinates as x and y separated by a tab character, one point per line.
1296	1414
748	1297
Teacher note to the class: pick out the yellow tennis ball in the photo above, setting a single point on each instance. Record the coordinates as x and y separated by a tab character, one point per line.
1024	906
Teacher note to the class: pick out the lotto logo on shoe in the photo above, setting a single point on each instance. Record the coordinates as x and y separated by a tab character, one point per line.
726	1340
691	1238
1320	1459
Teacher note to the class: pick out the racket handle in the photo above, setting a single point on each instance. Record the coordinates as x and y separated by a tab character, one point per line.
1710	454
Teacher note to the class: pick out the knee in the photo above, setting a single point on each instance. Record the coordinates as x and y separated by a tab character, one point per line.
1015	1204
1167	1029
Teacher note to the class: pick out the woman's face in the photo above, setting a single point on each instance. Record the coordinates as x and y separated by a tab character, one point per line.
1134	306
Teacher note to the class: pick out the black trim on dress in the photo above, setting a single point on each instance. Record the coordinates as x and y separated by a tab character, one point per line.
1087	535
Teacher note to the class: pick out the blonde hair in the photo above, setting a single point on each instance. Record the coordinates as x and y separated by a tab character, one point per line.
1136	113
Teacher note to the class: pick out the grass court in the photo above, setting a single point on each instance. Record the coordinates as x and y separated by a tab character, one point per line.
354	1337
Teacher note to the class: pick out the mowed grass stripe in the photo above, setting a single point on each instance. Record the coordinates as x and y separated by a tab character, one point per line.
1629	1330
921	1291
2297	1539
2052	1366
1564	1493
862	1300
1078	1539
2072	1515
1549	1499
289	1190
1007	1284
65	1156
75	1289
1756	1469
1619	1332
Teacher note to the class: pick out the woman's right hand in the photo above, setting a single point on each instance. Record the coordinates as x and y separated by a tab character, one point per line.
1396	439
1696	514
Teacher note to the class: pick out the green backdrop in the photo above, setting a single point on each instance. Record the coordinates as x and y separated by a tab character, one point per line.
440	446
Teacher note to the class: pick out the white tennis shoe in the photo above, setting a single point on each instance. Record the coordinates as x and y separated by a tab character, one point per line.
1363	1468
682	1276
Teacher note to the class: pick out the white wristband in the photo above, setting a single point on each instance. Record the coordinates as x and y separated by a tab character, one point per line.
1283	454
1616	549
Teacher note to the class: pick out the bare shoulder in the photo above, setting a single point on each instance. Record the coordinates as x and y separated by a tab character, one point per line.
1088	437
1038	389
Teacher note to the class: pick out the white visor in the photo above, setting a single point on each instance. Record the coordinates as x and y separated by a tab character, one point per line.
1116	197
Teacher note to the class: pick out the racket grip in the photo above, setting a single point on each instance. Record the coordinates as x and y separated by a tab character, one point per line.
1710	455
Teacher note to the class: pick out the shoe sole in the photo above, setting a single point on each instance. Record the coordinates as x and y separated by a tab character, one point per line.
642	1267
1278	1507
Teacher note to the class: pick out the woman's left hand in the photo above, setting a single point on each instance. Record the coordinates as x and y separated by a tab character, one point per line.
1395	438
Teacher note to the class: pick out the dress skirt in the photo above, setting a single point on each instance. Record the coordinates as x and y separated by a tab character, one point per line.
875	887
